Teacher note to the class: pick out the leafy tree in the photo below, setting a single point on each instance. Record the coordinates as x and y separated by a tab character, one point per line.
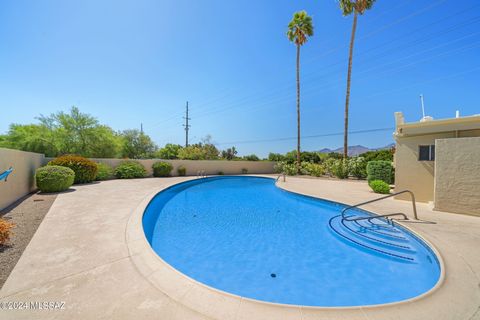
62	133
137	145
251	157
334	155
384	154
80	133
169	151
299	29
348	7
192	152
230	153
33	138
276	157
204	150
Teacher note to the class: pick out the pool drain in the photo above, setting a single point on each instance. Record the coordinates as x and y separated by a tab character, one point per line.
273	275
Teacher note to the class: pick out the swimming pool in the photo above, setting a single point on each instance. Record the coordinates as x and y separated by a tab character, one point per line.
245	236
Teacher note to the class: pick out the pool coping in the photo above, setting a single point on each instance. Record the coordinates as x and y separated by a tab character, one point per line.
218	304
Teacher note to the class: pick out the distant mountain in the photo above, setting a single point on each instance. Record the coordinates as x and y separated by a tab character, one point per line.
355	150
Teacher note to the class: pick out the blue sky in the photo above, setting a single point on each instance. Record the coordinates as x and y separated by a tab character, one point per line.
132	62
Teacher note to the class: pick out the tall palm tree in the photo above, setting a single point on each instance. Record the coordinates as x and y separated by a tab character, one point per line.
299	29
357	7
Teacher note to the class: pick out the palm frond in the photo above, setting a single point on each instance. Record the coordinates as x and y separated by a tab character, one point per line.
300	28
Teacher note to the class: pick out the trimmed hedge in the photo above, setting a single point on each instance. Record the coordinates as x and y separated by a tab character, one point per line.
182	171
380	170
85	169
162	169
54	178
130	170
105	172
379	186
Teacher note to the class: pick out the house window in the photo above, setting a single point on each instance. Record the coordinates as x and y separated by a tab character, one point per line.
426	153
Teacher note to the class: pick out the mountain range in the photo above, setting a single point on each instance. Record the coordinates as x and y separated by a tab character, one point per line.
356	150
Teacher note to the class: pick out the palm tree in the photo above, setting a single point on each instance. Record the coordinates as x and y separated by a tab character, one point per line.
356	7
299	29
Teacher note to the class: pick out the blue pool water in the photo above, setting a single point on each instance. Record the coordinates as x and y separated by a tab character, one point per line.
245	236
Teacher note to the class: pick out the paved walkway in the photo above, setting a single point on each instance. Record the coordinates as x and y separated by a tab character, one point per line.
79	256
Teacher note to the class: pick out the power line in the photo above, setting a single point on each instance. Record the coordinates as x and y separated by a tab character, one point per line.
306	137
418	41
413	14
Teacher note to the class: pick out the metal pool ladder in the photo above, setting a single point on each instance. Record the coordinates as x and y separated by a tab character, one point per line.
414	206
201	174
281	175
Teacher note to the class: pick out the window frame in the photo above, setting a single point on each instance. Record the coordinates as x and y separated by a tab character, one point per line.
431	152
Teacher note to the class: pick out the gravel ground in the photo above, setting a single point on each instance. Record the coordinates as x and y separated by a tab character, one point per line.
26	214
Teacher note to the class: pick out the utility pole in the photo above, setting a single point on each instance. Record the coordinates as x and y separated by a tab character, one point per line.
141	128
186	125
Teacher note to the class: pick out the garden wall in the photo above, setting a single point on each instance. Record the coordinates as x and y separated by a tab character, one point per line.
22	180
211	167
457	175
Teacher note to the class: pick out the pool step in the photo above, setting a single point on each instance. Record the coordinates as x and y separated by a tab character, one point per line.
381	232
362	236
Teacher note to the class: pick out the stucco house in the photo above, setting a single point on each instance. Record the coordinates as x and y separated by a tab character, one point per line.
439	160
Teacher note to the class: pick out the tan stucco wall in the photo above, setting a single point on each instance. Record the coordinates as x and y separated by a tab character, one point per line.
211	167
411	174
418	176
22	180
457	178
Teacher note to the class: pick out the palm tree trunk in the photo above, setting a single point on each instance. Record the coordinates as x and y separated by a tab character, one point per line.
349	77
298	109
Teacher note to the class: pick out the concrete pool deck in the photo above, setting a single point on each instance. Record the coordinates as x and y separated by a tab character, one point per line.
83	254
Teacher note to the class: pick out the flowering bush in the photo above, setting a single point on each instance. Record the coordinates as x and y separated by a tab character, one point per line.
85	169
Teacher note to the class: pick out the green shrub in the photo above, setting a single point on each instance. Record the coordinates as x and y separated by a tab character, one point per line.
244	170
380	170
220	173
340	168
357	167
278	167
182	171
329	164
130	169
54	178
290	169
162	169
312	169
104	172
379	186
85	169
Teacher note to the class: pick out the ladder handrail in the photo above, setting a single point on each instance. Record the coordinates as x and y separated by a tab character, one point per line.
280	175
381	198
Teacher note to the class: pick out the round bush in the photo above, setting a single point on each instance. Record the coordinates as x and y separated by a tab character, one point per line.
54	178
130	170
85	169
162	169
105	172
380	170
379	186
182	171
